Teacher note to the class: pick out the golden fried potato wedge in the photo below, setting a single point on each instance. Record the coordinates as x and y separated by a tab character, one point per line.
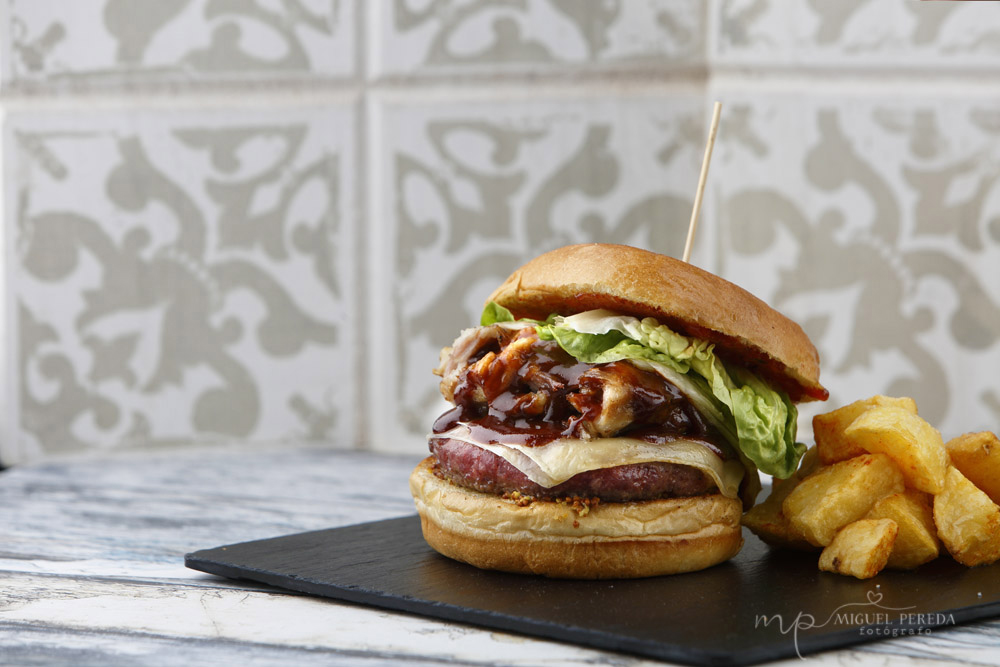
917	542
861	549
967	521
769	523
977	456
915	445
832	445
840	494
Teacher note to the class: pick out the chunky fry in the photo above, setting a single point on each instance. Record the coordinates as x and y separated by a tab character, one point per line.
767	522
861	549
770	524
832	445
911	442
977	456
916	542
881	489
840	494
968	522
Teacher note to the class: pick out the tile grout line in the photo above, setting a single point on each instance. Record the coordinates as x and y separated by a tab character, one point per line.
430	90
362	362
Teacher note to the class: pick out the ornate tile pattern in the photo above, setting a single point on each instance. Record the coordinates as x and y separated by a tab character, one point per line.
126	41
185	269
178	277
412	37
855	33
875	223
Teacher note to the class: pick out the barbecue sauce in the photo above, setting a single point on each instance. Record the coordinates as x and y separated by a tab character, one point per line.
540	393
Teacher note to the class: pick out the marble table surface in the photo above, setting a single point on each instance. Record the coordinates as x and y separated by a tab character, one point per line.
92	571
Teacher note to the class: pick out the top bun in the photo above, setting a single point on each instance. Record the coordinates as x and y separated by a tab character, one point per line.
630	281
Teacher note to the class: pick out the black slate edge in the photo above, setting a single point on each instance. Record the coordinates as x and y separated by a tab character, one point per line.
207	560
467	616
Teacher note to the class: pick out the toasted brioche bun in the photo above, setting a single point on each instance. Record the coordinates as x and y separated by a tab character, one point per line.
745	330
613	540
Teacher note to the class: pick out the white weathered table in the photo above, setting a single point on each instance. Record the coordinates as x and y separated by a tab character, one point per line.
92	572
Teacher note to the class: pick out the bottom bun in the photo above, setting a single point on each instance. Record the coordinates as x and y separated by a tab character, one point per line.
610	541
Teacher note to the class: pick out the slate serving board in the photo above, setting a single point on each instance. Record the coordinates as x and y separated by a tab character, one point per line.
712	617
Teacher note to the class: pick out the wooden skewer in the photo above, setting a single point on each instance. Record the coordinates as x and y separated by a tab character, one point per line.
701	180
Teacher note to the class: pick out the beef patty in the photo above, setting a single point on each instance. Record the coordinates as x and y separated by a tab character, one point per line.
475	468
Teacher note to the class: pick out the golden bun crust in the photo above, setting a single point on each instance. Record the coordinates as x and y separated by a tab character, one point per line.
689	300
612	541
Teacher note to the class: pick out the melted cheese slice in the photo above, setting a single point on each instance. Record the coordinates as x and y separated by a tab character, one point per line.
554	463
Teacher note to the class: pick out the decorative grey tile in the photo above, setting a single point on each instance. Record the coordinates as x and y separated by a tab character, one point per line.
179	277
411	37
465	192
874	222
856	33
128	41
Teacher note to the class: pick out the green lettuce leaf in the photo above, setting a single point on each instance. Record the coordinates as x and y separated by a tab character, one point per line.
493	313
758	420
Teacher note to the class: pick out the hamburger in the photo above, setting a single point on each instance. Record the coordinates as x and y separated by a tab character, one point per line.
609	417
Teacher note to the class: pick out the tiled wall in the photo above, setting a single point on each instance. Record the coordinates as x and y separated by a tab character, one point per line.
59	45
858	190
251	220
178	275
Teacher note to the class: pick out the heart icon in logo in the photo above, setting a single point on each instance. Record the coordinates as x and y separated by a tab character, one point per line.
874	597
